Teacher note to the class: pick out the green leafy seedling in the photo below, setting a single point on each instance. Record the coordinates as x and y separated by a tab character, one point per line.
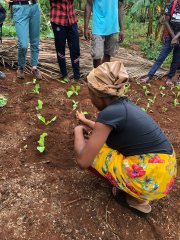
162	88
34	81
85	113
36	89
3	101
74	104
42	119
73	90
126	88
146	91
41	147
164	109
40	105
65	80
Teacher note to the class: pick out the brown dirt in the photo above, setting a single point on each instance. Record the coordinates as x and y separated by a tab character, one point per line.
46	196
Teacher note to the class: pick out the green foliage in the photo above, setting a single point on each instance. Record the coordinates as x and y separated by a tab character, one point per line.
42	119
41	147
36	89
40	105
73	90
3	101
74	104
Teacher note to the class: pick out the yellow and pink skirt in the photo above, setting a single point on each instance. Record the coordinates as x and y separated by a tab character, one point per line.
147	176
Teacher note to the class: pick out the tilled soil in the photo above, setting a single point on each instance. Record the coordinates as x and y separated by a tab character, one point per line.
46	196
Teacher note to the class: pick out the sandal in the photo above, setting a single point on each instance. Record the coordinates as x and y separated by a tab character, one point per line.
145	80
143	207
169	83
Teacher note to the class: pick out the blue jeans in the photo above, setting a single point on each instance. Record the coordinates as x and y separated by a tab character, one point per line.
165	50
69	33
27	23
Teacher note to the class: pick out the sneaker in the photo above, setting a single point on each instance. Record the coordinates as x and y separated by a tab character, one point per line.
37	74
20	73
2	75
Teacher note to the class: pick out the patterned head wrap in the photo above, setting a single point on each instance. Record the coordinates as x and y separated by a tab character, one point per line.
108	79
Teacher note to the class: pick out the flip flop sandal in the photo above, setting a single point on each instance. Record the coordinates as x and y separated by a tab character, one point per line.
169	83
142	207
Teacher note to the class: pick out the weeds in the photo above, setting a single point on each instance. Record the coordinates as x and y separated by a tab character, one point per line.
41	147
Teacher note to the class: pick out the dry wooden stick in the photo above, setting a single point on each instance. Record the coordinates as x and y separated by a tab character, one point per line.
76	200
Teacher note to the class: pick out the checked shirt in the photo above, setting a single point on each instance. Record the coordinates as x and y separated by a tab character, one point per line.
63	12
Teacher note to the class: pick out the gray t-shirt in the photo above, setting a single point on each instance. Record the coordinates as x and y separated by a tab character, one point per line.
134	131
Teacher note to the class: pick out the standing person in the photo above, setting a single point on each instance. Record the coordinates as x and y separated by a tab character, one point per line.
172	22
175	41
106	18
2	18
64	24
126	146
26	16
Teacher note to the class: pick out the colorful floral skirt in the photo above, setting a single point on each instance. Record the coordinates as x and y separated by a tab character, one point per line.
147	176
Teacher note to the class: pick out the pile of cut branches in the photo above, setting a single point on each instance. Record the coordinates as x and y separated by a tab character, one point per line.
137	66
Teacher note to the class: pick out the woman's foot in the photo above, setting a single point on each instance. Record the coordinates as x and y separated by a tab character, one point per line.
145	80
140	205
169	83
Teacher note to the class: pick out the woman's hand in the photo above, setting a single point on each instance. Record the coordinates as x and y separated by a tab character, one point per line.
80	116
174	41
9	1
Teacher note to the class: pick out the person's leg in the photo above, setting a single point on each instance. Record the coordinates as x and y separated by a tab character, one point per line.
97	49
174	64
21	21
74	48
165	50
34	35
60	43
110	47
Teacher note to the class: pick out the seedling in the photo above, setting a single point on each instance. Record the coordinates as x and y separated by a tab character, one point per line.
85	113
73	90
65	80
41	142
74	104
146	91
149	104
36	89
40	105
138	100
152	100
126	88
162	88
34	81
176	101
3	101
164	109
42	119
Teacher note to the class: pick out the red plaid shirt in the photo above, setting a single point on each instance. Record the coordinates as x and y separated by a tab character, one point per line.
63	12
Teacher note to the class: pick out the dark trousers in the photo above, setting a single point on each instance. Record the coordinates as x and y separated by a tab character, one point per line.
165	50
69	33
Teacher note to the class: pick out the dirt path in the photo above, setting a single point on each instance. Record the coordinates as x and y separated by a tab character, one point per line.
45	196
